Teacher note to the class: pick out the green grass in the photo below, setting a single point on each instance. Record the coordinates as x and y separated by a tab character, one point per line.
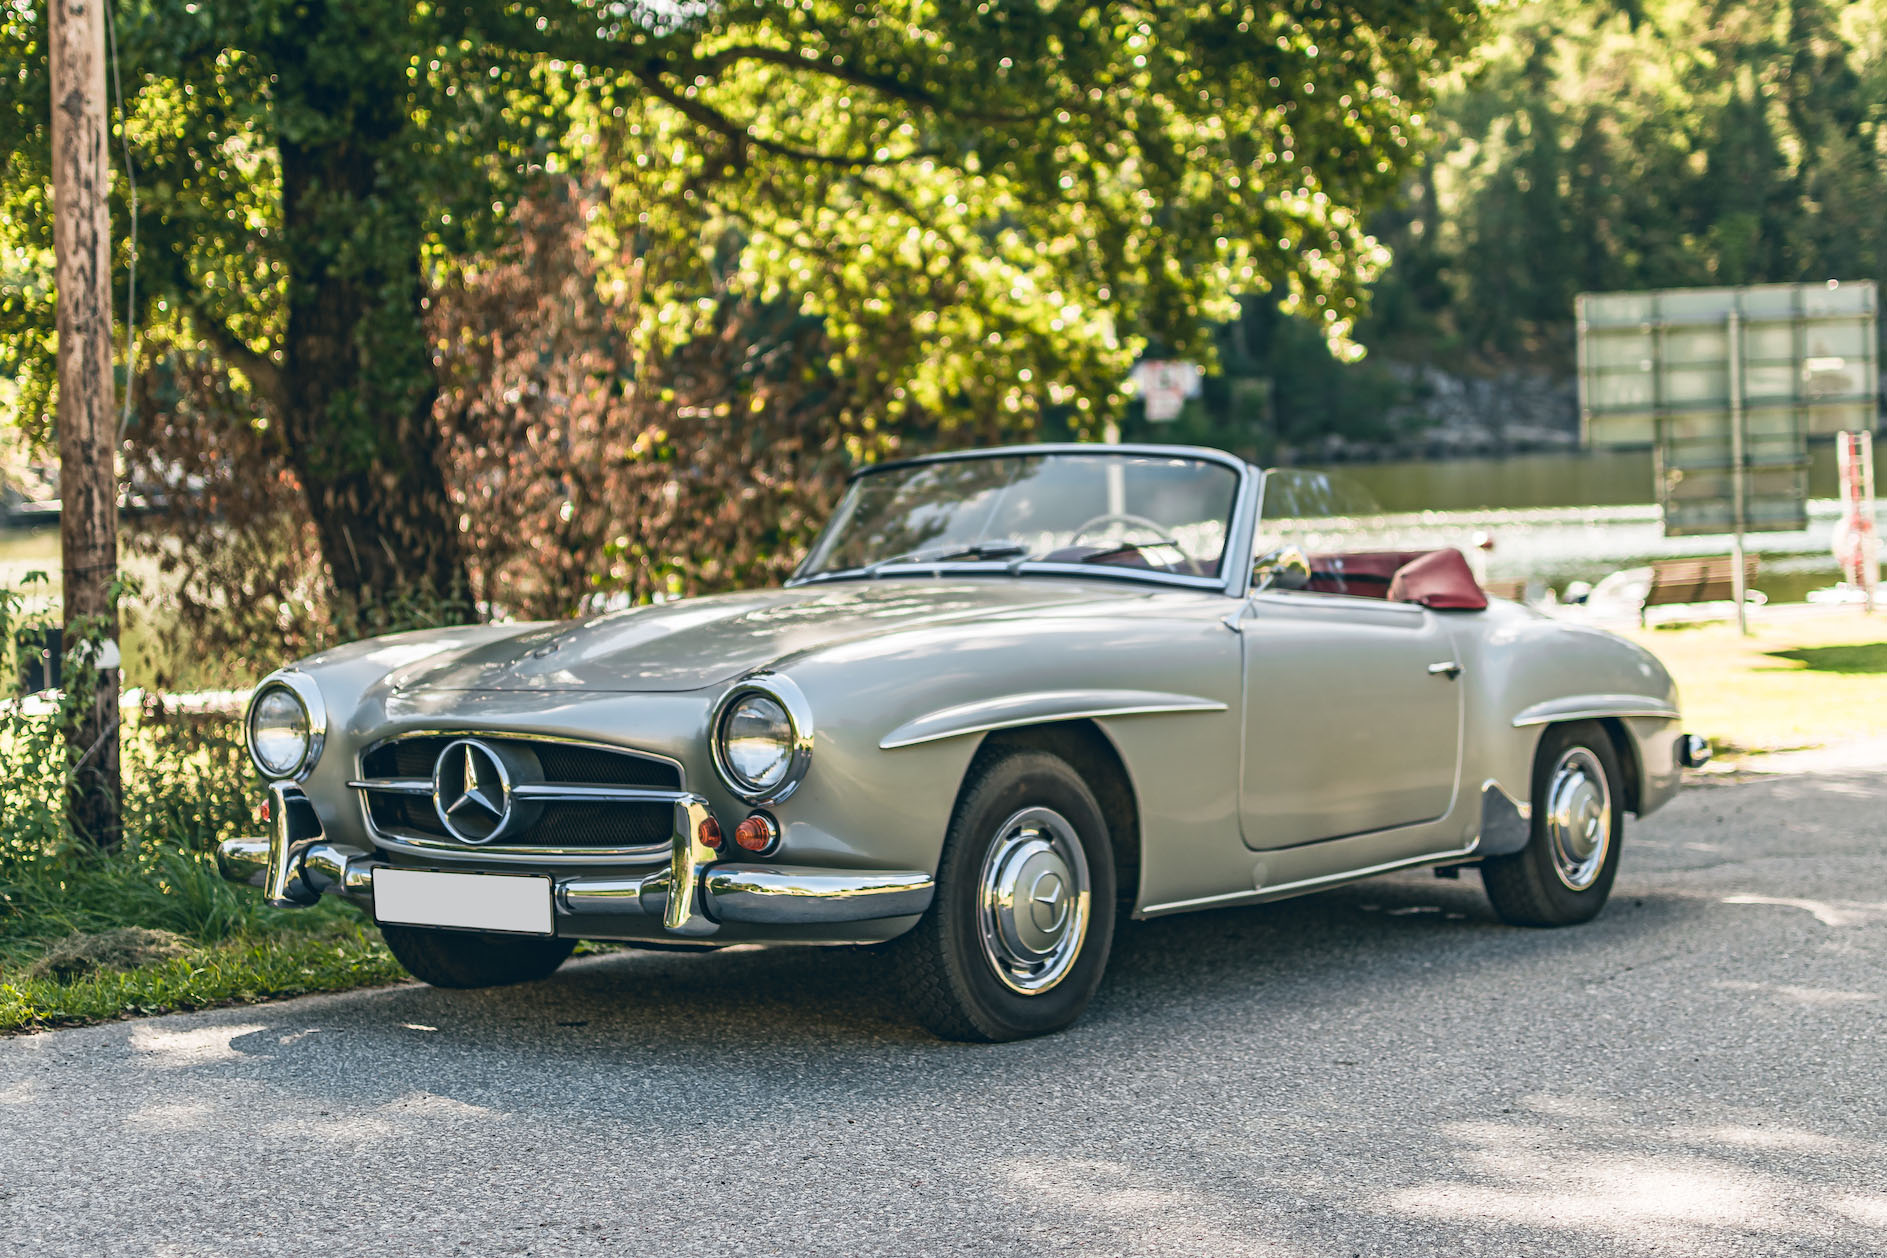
187	785
334	951
1864	657
238	949
1799	680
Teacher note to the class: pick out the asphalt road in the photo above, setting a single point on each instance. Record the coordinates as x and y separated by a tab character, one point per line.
1381	1070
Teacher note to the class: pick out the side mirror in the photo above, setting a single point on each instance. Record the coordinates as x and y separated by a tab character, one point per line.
1281	568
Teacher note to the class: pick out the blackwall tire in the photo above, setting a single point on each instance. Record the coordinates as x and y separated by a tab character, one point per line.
1017	939
467	959
1564	875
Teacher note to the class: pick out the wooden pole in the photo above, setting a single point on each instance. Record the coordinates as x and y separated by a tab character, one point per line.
1739	472
88	480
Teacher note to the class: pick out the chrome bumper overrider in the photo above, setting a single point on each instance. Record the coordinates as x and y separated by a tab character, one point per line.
295	866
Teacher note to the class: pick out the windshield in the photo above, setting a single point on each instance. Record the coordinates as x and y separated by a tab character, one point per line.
1149	512
1318	511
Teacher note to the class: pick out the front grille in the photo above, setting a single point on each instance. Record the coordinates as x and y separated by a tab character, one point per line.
587	826
562	762
584	826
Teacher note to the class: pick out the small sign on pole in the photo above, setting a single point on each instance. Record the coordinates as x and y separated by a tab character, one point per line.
1165	386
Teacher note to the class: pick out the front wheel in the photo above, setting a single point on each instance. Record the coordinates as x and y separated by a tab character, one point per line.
1564	874
1016	940
466	958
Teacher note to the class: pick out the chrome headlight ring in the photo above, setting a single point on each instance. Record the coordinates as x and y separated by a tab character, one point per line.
306	693
792	701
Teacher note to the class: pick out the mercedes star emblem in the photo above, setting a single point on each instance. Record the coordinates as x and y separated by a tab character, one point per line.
472	791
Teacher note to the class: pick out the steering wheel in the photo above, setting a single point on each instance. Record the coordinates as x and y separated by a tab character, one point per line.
1131	522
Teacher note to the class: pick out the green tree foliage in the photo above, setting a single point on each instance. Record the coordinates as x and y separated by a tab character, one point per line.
1589	145
1010	195
1598	145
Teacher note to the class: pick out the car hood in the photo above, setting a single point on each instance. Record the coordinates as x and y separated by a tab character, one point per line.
692	643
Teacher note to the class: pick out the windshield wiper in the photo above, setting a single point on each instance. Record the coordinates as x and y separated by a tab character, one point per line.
1113	549
997	549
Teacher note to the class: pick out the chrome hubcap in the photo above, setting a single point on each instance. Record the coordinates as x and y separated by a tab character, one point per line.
1579	818
1032	900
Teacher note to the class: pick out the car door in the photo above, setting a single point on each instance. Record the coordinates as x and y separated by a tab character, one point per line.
1352	717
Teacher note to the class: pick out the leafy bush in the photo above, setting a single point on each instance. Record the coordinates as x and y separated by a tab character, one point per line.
187	786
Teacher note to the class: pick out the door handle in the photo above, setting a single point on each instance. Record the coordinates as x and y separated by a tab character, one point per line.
1447	668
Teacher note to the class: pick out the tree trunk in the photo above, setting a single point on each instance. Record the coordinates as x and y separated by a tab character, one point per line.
88	428
357	384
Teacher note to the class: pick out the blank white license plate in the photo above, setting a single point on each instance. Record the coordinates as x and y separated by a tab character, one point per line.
421	897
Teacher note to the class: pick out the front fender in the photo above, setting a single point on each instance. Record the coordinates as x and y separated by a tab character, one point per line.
1527	672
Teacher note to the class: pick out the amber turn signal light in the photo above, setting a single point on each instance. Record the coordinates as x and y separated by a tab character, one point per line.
709	832
757	833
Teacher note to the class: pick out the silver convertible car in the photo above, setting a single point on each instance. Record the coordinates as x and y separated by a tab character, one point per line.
1010	697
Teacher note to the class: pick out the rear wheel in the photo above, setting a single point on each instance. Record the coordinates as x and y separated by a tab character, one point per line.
465	958
1017	938
1564	874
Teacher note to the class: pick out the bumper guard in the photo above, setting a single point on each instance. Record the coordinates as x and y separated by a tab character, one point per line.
295	866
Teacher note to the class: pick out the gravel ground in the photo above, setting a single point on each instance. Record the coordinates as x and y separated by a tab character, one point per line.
1380	1070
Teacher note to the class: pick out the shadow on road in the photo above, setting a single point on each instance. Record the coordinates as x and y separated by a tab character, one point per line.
1381	1069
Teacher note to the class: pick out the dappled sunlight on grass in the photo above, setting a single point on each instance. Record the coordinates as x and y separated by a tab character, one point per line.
1870	657
1800	680
334	954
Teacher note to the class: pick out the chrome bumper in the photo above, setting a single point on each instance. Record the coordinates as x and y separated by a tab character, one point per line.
295	866
1693	751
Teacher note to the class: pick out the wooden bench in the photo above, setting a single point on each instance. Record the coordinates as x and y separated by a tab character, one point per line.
1710	580
1514	589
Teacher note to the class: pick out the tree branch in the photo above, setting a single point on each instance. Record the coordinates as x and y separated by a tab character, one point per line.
741	135
884	85
263	374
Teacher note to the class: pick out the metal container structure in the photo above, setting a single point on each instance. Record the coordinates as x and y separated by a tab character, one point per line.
1727	385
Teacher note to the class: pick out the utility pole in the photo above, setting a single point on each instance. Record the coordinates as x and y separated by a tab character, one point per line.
88	474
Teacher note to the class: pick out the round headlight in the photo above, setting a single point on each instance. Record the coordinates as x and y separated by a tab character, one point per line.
757	742
280	732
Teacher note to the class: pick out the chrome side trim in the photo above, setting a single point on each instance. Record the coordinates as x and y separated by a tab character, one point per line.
1305	884
1592	707
1047	705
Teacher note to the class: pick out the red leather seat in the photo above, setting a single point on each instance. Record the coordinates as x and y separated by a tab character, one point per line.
1440	579
1359	573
